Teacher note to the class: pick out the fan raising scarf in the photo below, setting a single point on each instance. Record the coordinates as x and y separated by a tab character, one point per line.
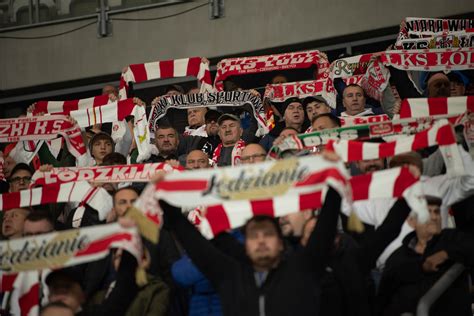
67	248
193	66
224	99
258	64
43	128
236	153
422	107
82	192
64	107
421	33
232	195
377	76
107	174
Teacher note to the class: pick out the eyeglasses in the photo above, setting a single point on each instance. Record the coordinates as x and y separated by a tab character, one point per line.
252	157
20	179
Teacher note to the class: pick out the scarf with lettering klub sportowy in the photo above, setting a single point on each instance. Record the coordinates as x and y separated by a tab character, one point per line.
249	101
236	153
96	197
377	77
193	66
67	248
232	195
107	174
43	128
259	64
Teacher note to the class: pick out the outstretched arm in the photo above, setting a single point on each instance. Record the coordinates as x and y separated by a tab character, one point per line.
322	238
212	262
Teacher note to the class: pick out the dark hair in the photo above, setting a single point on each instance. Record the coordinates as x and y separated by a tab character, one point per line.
114	158
124	188
262	219
99	136
21	166
37	216
354	85
330	116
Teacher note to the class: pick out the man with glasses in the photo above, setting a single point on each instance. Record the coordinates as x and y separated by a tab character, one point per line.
20	177
253	153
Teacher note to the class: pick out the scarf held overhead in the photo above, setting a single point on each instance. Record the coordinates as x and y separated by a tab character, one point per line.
43	128
258	64
67	248
193	66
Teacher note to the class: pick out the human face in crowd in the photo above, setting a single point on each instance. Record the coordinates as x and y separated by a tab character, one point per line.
293	224
101	148
439	86
307	230
32	228
294	115
124	199
457	89
212	128
354	100
8	165
57	311
196	117
432	226
20	180
109	89
253	153
13	223
288	132
315	108
323	123
263	245
67	292
279	79
197	159
230	132
173	92
166	140
371	165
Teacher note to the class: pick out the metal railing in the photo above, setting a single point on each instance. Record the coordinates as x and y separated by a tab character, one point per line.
438	288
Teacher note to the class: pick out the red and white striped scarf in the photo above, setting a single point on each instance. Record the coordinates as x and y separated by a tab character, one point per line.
84	245
423	107
441	134
232	195
54	107
83	192
193	66
236	153
301	89
108	174
258	64
22	290
43	128
363	120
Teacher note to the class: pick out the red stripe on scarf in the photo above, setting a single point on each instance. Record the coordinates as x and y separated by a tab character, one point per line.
11	200
387	149
403	181
139	72
420	140
29	300
102	244
405	109
194	64
124	108
217	219
7	282
318	177
360	185
437	106
166	68
263	207
356	151
445	135
71	105
310	200
182	185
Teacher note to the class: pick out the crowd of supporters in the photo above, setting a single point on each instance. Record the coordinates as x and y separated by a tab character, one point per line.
372	257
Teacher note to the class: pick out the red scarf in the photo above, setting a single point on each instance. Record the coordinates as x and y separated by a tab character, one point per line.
236	153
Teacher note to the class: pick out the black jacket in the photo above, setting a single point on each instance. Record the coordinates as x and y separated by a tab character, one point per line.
292	288
348	289
404	282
